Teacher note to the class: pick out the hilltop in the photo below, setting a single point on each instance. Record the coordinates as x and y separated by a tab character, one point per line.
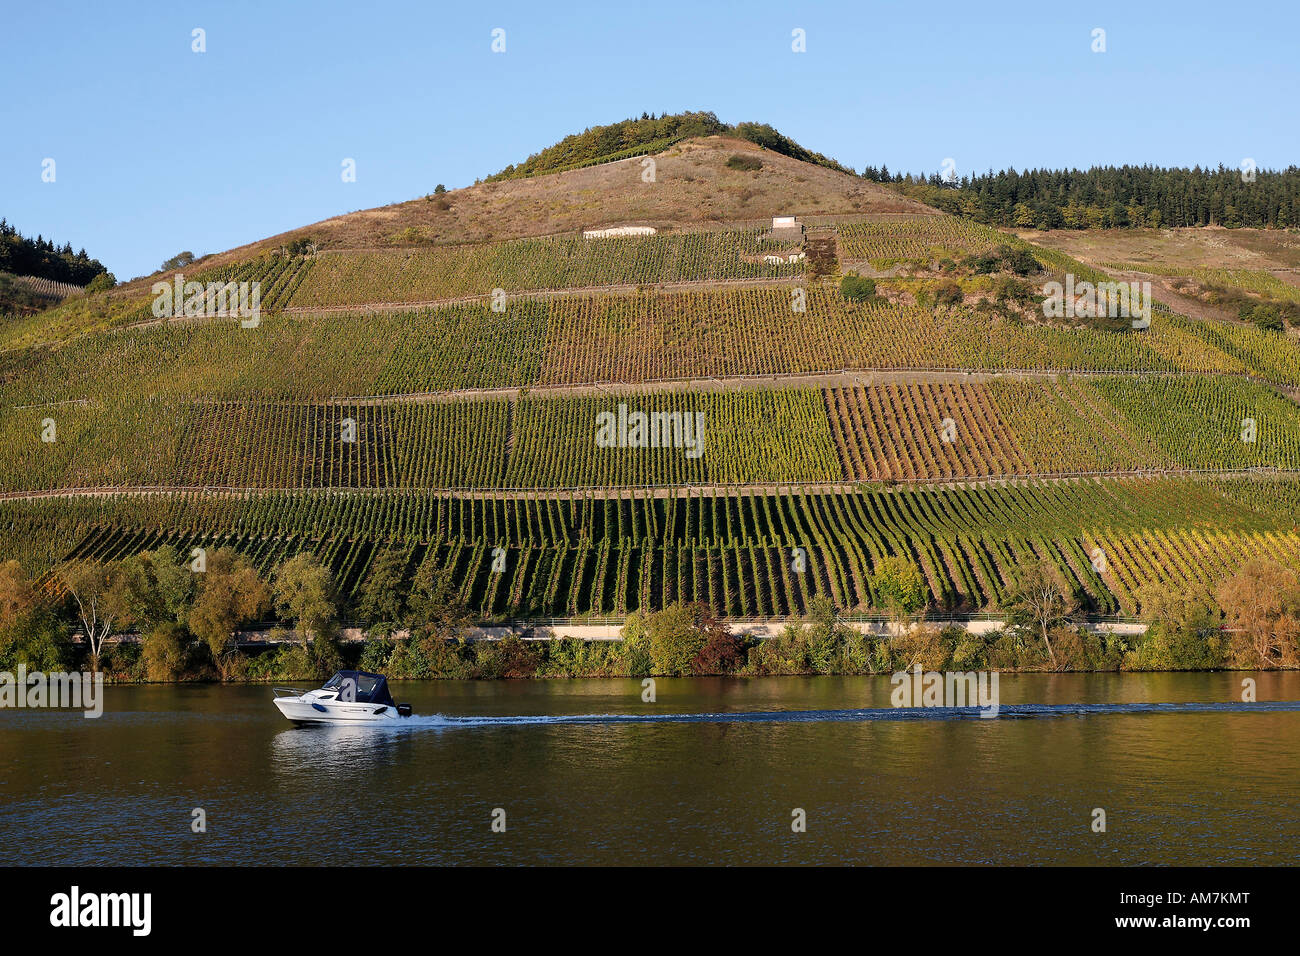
699	183
693	187
650	134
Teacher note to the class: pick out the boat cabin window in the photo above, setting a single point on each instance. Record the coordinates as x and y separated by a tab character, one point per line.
359	686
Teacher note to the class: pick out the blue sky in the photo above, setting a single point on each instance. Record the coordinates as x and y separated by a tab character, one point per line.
159	149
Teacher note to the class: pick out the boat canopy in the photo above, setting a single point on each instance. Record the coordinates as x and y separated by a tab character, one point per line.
367	688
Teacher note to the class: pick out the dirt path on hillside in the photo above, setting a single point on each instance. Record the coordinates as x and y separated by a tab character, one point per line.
844	378
668	491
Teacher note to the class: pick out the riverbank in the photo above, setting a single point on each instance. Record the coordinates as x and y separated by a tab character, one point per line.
685	643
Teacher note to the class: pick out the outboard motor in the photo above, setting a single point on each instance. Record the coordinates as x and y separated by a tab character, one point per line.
404	710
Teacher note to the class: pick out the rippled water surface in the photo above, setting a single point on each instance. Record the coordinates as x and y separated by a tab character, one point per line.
585	772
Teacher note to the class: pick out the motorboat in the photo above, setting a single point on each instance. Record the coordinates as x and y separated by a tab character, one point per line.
349	697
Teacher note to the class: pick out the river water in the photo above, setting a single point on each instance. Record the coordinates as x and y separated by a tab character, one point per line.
713	771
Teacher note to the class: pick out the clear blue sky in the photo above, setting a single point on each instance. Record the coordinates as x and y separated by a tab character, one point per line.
160	149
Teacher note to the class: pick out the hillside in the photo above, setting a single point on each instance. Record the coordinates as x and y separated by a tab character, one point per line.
430	379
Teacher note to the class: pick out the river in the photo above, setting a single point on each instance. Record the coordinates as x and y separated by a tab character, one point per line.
684	779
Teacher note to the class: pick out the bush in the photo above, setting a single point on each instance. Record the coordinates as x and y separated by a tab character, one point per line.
425	656
1004	258
922	645
574	657
899	587
676	638
35	638
948	292
102	282
723	654
1167	647
375	654
634	655
123	662
856	288
1266	318
166	649
749	164
507	658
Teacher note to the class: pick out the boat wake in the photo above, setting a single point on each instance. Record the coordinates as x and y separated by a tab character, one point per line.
1006	711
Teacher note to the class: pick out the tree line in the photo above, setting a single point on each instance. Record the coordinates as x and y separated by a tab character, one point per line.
650	132
189	617
1105	197
40	257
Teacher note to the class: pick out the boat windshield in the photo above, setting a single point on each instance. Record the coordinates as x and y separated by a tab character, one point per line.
361	687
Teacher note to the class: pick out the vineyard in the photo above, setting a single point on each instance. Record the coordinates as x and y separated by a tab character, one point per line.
888	242
629	339
1258	281
908	432
553	262
746	555
625	448
48	288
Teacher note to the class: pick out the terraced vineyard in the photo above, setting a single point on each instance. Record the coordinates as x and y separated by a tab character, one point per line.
575	553
553	262
629	339
886	242
911	432
726	441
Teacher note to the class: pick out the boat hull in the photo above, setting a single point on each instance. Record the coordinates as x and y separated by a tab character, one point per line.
304	710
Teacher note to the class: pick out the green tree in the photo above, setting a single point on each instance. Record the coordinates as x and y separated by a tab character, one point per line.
435	604
383	594
230	594
17	593
178	261
856	288
104	600
304	592
102	282
35	638
899	588
677	635
166	646
1037	598
176	581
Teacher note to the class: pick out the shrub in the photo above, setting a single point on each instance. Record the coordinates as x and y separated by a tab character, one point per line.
948	292
507	658
375	654
634	655
723	654
102	282
166	649
1168	647
677	636
856	288
899	587
749	164
35	638
922	645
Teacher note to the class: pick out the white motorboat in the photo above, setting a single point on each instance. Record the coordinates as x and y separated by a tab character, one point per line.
349	697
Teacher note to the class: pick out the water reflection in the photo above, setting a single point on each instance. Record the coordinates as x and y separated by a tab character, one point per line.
588	773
